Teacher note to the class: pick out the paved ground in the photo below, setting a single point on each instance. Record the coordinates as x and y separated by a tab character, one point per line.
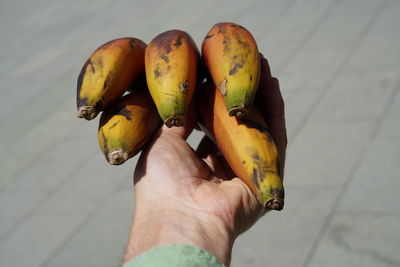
338	63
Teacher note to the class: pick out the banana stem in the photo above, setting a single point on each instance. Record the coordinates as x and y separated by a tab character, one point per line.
238	112
117	156
87	112
274	204
174	120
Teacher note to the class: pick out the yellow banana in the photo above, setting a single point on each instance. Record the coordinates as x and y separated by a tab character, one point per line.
231	55
171	66
107	74
126	126
245	144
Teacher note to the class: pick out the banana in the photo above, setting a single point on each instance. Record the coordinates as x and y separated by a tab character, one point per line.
126	126
246	145
231	55
171	65
107	74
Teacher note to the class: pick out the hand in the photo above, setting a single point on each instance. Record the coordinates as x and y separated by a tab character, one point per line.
189	197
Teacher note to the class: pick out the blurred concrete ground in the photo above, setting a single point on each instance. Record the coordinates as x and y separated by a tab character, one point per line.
338	63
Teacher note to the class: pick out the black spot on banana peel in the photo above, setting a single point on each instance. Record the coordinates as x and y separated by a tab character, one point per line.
227	44
245	144
184	87
235	68
115	124
170	38
126	126
105	143
231	57
178	42
171	69
157	73
124	112
165	58
107	74
221	27
255	177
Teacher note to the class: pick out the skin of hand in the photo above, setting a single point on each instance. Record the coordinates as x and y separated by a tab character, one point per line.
192	197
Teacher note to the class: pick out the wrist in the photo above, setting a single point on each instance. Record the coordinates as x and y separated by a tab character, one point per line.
155	227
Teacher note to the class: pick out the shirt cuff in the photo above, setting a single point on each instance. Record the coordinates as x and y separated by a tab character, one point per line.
175	255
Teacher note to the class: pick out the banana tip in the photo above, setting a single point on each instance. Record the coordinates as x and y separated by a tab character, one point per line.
274	204
117	156
174	120
87	112
238	112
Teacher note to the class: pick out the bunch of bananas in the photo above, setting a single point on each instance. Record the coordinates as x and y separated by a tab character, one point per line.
170	67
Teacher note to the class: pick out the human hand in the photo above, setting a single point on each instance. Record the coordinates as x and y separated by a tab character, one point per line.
192	197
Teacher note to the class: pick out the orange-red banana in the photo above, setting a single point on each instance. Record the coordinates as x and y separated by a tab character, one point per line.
127	125
107	74
171	66
245	144
231	55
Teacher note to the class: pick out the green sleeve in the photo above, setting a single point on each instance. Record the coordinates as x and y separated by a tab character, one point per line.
176	255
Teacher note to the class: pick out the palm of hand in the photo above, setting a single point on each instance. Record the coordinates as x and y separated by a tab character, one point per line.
194	183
